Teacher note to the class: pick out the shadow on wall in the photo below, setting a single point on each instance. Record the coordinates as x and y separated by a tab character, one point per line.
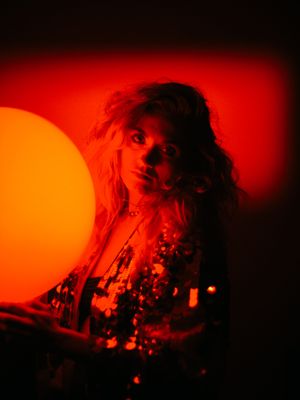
264	274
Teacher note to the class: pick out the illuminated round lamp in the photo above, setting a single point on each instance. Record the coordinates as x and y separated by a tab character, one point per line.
211	289
47	205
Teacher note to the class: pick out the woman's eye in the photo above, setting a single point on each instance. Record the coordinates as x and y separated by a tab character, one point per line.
138	138
170	151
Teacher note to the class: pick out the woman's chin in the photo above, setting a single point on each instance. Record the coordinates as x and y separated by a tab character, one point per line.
142	189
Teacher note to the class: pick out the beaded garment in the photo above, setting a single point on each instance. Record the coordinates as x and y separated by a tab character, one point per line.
158	309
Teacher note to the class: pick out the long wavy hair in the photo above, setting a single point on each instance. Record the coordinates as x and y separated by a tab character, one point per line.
206	192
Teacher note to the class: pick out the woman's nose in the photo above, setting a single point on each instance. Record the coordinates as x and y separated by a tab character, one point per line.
151	156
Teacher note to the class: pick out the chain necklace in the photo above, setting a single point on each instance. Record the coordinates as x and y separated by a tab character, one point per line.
133	213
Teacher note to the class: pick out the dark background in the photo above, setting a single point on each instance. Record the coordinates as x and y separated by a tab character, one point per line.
264	259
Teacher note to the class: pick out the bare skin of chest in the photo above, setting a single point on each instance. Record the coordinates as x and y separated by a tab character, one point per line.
118	237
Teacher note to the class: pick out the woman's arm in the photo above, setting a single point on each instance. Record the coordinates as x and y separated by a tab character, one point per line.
191	335
35	325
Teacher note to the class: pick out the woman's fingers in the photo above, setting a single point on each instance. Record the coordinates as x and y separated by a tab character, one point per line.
14	308
39	305
27	318
27	310
44	320
13	323
25	330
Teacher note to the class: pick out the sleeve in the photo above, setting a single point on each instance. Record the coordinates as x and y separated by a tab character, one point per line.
189	327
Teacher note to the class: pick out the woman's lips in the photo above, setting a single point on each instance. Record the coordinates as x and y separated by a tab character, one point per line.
143	175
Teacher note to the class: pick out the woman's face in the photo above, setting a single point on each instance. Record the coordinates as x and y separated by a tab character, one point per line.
151	157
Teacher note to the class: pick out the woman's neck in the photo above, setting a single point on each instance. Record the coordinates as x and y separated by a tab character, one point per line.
135	202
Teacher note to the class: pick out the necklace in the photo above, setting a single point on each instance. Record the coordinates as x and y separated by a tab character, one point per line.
133	213
134	209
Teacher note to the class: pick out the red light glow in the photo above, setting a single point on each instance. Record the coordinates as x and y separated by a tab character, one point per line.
248	95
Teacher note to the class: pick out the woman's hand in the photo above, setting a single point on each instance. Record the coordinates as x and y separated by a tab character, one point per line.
32	320
35	324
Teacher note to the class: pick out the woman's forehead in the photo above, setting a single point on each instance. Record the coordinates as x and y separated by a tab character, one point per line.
156	125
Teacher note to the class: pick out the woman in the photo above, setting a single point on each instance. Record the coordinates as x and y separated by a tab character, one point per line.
146	312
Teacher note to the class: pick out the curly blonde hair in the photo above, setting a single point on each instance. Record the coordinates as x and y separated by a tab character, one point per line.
208	181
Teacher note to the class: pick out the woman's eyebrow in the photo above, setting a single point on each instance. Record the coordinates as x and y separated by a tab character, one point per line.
173	141
137	128
169	138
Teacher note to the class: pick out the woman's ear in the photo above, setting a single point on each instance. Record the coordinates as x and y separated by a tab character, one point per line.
201	184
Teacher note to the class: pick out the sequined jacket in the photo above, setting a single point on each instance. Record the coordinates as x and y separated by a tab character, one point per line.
164	329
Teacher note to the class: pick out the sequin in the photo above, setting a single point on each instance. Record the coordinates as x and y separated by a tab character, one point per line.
158	268
130	346
111	343
193	300
136	379
211	289
203	372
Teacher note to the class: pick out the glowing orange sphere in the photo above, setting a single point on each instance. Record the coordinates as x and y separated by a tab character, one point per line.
47	205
